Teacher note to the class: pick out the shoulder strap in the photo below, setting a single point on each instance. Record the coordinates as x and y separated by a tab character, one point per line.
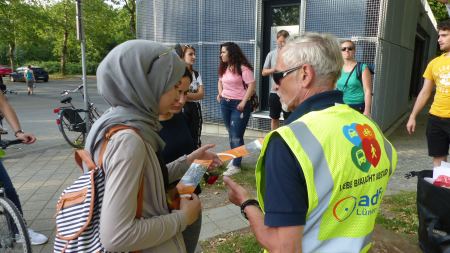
349	75
243	82
359	71
82	155
195	74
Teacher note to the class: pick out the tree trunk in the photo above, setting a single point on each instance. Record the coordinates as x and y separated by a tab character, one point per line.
130	6
12	48
133	26
64	53
64	43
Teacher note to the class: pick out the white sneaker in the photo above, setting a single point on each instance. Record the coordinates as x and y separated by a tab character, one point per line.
231	170
37	238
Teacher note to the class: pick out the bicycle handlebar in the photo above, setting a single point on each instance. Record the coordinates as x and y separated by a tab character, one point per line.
5	143
66	92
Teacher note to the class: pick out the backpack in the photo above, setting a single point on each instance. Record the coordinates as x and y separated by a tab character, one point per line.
79	206
254	99
29	75
359	70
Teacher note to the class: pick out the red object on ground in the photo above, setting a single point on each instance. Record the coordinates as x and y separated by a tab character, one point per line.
4	71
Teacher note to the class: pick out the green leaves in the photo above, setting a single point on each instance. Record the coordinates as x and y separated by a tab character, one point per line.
439	10
45	30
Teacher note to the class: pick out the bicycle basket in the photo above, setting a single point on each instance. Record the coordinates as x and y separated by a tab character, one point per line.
75	120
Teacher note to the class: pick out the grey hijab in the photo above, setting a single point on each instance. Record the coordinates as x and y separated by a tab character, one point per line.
132	83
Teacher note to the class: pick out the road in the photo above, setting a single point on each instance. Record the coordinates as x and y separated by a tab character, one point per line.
36	112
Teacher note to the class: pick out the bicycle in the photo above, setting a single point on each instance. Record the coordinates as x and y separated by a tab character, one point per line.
14	235
71	120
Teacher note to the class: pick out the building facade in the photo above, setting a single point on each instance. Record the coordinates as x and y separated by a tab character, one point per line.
397	36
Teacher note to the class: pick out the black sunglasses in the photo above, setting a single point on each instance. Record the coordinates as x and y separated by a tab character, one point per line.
278	76
347	48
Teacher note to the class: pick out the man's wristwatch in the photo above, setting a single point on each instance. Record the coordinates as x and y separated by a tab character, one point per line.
246	203
20	131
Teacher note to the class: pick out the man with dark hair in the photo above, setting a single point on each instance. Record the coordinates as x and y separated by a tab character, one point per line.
436	77
268	69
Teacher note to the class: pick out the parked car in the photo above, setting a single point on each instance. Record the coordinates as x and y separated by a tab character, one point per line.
39	74
4	71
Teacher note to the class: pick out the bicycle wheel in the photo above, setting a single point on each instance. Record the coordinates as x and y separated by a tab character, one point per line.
14	235
94	114
72	130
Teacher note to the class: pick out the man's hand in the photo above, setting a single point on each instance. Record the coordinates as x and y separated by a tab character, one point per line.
27	138
203	153
236	193
191	208
411	125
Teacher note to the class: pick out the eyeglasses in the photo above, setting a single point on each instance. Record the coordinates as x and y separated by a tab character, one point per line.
188	46
347	49
278	76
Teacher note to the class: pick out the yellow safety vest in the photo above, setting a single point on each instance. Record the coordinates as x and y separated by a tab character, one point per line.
347	163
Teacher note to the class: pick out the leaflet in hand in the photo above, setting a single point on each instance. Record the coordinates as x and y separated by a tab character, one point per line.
252	147
195	173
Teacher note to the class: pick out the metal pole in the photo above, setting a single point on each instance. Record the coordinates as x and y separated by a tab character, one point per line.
80	37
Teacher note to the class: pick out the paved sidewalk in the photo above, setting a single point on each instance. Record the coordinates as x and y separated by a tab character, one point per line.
40	177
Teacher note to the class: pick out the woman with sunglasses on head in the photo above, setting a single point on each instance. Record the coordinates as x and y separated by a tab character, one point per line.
356	84
192	109
140	79
235	87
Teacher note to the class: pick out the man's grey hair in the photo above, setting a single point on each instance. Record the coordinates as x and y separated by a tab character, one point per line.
319	50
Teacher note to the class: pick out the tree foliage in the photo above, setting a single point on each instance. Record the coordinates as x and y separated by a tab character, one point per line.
45	30
439	10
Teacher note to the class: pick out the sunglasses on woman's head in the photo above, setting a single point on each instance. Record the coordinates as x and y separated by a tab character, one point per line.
278	76
347	49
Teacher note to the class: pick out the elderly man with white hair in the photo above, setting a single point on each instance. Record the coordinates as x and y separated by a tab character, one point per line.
320	178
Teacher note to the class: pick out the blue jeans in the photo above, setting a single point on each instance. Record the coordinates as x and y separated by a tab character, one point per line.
235	122
10	192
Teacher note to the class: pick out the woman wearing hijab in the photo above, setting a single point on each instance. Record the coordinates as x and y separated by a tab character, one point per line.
140	79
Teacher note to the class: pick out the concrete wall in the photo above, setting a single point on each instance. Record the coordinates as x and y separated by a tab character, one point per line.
399	20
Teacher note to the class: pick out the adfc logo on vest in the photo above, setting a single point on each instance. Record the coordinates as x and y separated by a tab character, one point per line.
366	150
364	205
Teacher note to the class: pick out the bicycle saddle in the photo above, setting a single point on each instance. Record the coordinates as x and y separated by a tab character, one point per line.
66	100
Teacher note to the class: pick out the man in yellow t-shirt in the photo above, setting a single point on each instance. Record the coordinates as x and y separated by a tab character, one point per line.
436	75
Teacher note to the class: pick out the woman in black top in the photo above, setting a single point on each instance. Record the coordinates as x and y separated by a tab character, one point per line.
176	134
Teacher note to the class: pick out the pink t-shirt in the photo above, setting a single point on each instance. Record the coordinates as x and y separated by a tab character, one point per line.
233	88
